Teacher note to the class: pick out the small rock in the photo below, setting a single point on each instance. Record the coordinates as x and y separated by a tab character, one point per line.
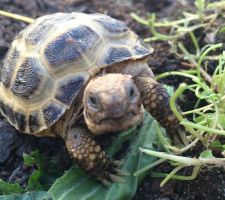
3	48
9	140
164	198
26	5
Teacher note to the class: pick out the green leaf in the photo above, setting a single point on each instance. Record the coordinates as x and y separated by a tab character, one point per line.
200	4
76	184
199	119
34	181
28	160
169	89
222	120
9	188
217	144
206	154
28	196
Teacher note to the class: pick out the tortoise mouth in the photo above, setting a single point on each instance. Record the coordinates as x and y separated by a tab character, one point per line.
125	116
116	124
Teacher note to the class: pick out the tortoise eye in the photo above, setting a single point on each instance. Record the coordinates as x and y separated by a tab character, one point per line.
131	92
93	102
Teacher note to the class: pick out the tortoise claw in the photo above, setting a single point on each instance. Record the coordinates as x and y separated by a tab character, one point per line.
122	172
118	163
106	182
116	178
113	174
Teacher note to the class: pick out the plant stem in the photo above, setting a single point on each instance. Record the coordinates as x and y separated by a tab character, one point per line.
183	178
185	160
17	17
207	129
147	167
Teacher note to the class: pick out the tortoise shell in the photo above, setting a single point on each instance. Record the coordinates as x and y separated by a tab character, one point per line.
51	60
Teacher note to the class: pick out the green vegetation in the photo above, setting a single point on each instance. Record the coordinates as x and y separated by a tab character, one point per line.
77	183
42	177
207	123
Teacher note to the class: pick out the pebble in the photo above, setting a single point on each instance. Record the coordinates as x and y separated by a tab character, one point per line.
9	140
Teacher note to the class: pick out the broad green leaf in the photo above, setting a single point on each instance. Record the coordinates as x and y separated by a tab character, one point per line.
9	188
28	196
76	184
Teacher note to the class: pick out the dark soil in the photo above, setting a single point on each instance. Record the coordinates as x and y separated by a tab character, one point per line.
210	183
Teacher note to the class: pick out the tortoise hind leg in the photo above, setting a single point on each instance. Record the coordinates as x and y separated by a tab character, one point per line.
156	101
90	156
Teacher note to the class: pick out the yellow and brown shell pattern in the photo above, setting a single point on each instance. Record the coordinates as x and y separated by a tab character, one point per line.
50	60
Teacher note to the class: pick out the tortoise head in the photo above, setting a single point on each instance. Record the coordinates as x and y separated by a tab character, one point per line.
112	103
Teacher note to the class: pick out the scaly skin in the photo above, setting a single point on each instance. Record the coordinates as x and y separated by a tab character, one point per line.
156	101
110	107
112	103
89	155
117	104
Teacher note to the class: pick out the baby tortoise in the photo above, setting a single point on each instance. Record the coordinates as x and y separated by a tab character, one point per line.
66	64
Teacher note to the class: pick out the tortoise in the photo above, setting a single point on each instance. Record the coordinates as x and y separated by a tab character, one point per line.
77	76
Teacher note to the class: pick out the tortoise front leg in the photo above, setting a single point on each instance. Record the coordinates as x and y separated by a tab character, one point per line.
156	101
89	155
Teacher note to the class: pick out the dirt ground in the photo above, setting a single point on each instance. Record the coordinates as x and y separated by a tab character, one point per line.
210	183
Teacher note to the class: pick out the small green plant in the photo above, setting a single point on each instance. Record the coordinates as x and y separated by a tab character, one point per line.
207	126
34	179
203	17
44	173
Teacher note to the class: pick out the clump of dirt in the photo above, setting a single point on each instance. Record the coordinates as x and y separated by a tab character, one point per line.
11	150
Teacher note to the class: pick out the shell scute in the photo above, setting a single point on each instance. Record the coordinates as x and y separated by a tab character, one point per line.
112	25
70	45
141	50
68	89
117	55
38	32
34	121
6	110
9	66
20	120
27	78
10	113
52	112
